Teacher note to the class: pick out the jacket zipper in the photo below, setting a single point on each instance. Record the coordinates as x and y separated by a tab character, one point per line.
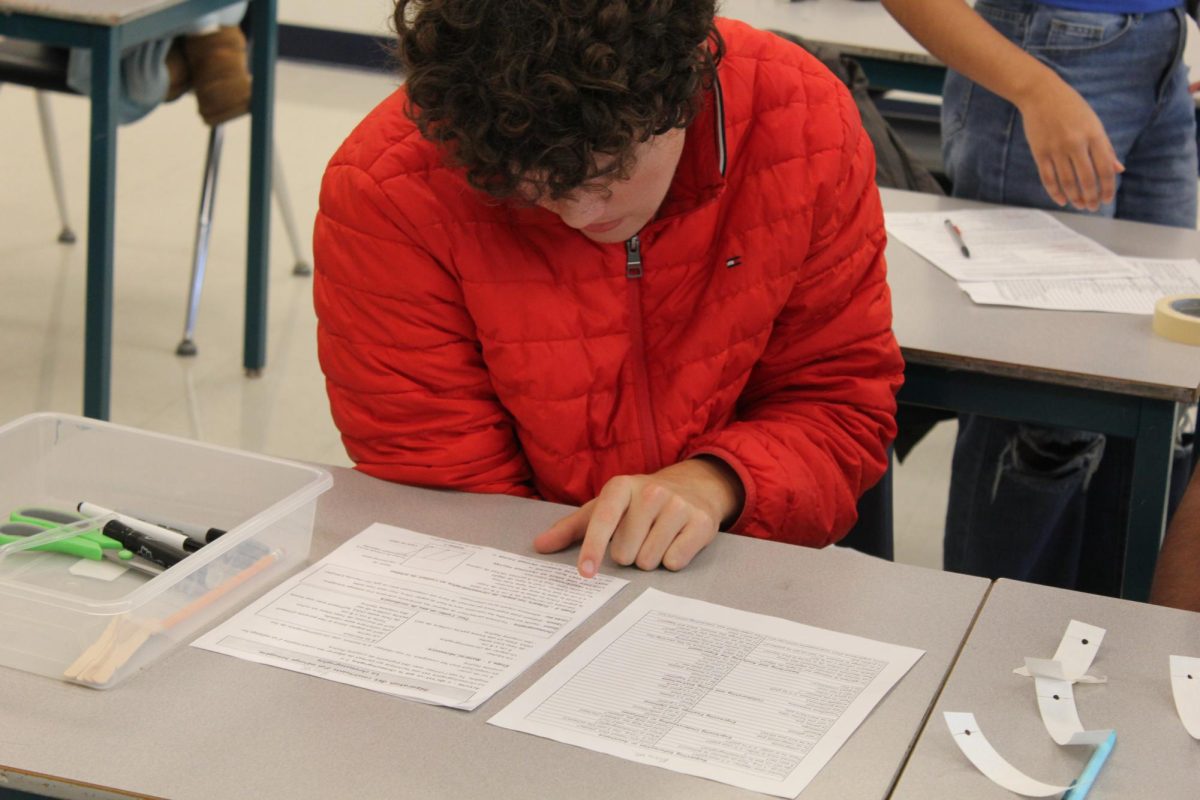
634	269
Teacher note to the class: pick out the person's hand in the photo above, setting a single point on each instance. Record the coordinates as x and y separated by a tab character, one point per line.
1075	159
665	518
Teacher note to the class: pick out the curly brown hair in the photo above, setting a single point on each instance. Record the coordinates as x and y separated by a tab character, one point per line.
526	94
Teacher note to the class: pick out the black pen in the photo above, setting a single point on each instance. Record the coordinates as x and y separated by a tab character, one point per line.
956	235
141	545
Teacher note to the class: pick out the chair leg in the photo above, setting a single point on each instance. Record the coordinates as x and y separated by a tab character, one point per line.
187	347
50	143
302	266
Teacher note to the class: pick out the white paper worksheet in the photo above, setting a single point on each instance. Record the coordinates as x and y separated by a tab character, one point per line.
750	700
415	616
1005	244
1161	278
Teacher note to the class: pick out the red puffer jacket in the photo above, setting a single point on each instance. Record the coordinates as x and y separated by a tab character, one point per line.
485	347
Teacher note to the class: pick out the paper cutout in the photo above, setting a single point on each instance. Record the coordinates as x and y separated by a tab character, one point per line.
1046	668
1056	702
1075	652
1053	688
1078	648
979	751
1185	685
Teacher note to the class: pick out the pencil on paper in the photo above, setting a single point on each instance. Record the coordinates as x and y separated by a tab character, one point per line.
956	235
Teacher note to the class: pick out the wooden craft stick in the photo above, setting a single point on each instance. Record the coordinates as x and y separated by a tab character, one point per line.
125	635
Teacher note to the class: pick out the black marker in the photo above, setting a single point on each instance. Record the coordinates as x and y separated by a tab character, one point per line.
171	538
200	534
141	545
197	533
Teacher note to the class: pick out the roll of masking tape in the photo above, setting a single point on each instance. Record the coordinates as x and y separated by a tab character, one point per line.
1178	318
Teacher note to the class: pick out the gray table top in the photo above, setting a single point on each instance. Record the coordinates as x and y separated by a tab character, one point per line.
937	323
856	28
1154	756
221	727
96	12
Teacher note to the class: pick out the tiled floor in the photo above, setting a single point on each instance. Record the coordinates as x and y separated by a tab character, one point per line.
159	172
284	412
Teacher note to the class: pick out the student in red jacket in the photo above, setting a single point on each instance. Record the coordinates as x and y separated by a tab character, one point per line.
615	254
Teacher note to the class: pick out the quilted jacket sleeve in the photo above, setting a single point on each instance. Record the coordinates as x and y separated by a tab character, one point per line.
407	385
816	417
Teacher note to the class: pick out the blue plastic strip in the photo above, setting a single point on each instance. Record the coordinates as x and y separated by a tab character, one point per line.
1080	788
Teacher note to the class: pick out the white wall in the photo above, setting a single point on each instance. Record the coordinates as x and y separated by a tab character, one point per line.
371	17
354	16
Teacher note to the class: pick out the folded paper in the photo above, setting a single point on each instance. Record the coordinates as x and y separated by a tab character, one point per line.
1076	652
1056	703
979	751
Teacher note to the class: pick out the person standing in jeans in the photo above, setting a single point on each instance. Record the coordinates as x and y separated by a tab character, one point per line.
1079	104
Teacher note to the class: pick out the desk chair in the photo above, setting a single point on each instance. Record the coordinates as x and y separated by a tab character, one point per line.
43	68
873	532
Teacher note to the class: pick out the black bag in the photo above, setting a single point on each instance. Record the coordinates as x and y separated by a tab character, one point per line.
895	165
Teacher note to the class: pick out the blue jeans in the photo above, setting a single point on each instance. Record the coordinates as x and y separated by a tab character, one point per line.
1022	496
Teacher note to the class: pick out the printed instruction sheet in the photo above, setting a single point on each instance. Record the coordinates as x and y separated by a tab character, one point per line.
1005	244
1161	278
415	616
754	701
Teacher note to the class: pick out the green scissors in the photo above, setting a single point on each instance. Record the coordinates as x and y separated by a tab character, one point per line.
92	544
89	544
76	546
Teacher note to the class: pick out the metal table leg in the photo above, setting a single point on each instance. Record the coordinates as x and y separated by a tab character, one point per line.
1150	423
102	165
263	31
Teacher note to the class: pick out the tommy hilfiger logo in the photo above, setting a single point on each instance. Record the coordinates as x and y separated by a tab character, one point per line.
733	261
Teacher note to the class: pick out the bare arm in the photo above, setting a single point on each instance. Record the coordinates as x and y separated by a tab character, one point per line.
1074	157
1177	577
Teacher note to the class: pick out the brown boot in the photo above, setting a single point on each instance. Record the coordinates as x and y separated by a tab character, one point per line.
217	62
180	77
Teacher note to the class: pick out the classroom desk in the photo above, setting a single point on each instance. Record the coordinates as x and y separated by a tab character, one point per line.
201	725
862	29
106	27
1154	756
1093	371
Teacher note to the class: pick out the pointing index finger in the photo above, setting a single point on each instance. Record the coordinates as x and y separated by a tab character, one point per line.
610	506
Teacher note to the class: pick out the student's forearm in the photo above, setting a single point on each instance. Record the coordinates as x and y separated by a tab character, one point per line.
965	42
1075	159
1177	577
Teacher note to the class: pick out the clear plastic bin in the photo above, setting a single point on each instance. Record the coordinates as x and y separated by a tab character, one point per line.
97	632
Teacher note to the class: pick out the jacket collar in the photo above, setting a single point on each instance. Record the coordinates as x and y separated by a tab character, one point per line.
700	175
